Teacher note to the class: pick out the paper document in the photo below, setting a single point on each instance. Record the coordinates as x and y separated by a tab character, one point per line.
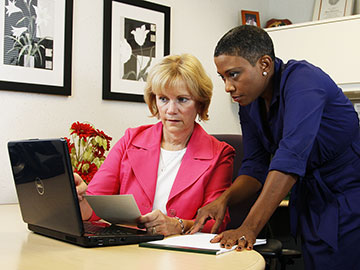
198	242
116	209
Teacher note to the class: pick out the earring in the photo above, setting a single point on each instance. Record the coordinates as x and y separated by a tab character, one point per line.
199	118
264	73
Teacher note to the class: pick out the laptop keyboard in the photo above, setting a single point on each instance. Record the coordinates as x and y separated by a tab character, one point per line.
110	230
115	230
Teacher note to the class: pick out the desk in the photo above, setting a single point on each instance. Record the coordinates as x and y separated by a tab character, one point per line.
22	249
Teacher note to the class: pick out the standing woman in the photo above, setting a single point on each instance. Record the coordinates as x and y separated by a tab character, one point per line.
174	167
300	132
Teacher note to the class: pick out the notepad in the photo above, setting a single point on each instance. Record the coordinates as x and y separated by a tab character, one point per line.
198	242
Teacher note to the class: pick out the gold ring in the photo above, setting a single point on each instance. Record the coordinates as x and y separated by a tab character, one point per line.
154	230
242	238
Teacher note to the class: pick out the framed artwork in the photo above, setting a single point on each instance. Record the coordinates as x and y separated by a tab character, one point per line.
250	17
326	9
36	46
136	36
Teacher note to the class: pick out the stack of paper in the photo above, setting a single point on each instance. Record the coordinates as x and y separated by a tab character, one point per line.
198	242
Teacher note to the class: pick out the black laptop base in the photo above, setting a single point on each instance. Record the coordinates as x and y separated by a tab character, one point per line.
95	240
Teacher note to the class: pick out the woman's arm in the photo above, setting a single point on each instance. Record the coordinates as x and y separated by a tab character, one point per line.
81	187
276	187
219	181
158	223
242	188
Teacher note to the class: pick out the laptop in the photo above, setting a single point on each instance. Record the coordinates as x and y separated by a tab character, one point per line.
48	200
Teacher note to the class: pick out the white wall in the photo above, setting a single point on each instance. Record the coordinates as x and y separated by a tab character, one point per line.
195	28
294	10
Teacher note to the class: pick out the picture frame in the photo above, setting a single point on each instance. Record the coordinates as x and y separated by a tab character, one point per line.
326	9
250	17
353	95
136	36
36	46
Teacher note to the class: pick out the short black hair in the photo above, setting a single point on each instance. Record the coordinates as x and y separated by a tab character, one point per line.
247	41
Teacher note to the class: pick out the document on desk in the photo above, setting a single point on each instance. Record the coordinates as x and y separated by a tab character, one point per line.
198	242
116	209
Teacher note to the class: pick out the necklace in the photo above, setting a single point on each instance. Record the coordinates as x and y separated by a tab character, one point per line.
170	157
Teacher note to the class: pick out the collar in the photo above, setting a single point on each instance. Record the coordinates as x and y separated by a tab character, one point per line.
151	137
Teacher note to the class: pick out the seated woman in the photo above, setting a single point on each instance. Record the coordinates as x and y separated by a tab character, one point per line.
174	167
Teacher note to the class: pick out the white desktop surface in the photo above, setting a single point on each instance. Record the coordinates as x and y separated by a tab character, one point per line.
22	249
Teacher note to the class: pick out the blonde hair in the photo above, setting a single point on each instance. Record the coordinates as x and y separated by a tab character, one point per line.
171	71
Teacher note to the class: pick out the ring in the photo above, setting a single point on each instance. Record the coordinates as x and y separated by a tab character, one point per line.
153	230
242	238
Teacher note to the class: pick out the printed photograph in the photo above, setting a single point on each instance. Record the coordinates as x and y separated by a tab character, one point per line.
137	49
28	33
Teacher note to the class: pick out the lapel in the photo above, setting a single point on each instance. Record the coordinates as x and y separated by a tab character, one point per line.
196	161
143	154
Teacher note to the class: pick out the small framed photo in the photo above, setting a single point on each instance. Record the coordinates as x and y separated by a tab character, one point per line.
136	36
36	46
326	9
250	17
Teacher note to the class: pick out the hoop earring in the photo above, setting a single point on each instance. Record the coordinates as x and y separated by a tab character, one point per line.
264	73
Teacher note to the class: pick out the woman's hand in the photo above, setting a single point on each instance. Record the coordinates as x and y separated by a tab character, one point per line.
81	186
215	210
242	237
158	223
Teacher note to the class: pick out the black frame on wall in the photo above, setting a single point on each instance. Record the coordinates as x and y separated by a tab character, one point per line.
125	69
47	75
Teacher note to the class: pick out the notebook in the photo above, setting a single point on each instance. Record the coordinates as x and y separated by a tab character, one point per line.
198	243
48	200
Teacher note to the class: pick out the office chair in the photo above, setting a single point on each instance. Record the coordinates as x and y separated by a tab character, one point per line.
272	251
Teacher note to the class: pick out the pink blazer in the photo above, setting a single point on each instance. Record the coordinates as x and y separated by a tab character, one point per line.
132	164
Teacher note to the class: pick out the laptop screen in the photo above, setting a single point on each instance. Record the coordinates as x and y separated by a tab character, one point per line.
44	184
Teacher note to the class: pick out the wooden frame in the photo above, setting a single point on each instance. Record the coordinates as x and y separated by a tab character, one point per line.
250	17
326	9
354	97
136	36
36	46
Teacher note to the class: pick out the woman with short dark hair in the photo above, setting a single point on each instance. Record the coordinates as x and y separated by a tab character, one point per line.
300	133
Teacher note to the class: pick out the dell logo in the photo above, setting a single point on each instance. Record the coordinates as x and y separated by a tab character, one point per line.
39	186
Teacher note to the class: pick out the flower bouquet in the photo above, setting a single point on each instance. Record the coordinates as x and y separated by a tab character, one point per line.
87	148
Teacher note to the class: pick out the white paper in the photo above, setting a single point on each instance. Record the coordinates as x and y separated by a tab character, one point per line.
198	241
116	209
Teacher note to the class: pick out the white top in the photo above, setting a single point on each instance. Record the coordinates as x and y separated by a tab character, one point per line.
169	164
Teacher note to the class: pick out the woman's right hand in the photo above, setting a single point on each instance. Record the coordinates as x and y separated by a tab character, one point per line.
81	186
215	210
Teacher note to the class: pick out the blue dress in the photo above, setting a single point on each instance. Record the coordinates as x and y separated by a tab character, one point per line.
311	130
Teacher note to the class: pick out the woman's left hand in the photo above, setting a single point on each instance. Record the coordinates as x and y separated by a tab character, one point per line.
158	223
242	237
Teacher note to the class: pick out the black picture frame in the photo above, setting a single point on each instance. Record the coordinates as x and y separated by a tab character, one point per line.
123	79
50	68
